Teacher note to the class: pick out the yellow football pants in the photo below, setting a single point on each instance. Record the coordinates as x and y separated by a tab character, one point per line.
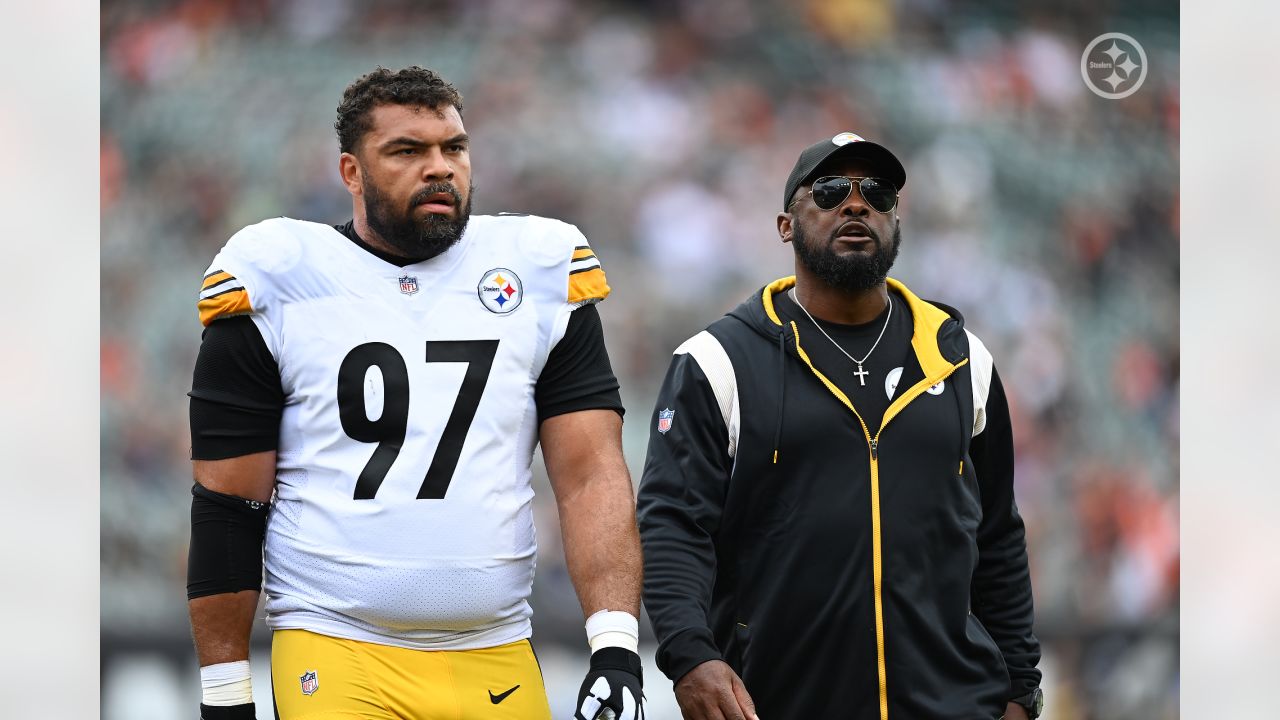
316	677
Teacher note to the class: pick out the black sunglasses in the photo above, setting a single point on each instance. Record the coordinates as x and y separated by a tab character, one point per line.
830	192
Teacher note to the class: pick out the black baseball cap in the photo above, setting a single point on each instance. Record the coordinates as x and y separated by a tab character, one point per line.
846	144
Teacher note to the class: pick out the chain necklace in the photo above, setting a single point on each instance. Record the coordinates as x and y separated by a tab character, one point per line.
862	374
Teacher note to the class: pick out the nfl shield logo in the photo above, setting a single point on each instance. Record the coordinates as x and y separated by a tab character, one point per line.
310	683
408	284
664	420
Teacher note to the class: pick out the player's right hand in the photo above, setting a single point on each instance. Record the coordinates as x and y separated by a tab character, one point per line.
714	690
243	711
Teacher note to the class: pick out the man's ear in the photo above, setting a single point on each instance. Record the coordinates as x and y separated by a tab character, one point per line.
351	173
784	227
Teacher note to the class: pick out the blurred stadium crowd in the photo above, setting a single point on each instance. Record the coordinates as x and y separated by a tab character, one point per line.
664	130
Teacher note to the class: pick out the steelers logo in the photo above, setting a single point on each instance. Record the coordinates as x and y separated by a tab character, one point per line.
500	291
891	382
845	138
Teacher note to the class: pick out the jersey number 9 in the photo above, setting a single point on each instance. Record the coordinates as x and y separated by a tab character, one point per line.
390	428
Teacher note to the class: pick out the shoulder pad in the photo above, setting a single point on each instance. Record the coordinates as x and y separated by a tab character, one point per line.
554	244
221	295
587	282
238	282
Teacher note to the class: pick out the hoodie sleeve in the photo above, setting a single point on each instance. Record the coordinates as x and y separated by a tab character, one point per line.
1002	582
681	497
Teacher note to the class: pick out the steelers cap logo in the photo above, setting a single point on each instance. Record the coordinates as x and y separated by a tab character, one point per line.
500	291
845	138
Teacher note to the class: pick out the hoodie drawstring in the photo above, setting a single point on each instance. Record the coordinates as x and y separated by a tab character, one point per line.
965	432
782	381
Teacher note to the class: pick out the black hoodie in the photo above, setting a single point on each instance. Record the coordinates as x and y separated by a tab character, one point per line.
840	572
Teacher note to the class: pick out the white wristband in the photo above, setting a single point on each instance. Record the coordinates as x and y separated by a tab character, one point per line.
613	628
226	683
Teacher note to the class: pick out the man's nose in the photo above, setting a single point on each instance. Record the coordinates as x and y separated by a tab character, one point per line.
436	166
855	205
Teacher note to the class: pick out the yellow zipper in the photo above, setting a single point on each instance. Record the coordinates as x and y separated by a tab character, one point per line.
873	444
877	573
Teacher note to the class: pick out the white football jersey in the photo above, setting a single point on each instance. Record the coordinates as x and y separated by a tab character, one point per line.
403	507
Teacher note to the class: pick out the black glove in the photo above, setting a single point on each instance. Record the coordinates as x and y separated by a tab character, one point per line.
244	711
613	682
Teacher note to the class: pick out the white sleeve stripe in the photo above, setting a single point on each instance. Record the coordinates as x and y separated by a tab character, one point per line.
221	288
980	367
715	364
584	264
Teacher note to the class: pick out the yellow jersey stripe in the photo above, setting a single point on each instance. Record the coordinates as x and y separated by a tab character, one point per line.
583	253
588	285
214	278
233	302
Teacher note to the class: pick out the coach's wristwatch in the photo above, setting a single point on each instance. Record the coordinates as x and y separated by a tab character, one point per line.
1032	702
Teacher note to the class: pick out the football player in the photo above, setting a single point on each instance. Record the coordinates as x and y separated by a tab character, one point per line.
364	410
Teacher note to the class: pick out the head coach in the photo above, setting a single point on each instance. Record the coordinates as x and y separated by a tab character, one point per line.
827	509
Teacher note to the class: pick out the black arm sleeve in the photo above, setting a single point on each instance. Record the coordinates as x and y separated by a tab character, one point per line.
236	397
681	499
578	375
1002	582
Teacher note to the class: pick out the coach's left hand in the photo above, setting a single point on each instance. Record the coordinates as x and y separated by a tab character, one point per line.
613	682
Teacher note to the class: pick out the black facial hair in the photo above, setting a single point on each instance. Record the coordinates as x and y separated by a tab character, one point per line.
851	273
416	239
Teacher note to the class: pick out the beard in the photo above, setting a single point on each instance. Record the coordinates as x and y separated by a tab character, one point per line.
853	272
416	239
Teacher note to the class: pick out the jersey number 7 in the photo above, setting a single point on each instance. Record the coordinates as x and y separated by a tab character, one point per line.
390	428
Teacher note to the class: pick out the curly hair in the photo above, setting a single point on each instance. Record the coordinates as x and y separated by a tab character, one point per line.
411	86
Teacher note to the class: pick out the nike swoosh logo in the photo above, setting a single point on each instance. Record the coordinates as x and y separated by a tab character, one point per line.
495	699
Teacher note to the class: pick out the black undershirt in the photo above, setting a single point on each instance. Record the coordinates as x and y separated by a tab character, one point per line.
893	351
349	229
237	400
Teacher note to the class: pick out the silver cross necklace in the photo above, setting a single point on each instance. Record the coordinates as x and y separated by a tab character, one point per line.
862	374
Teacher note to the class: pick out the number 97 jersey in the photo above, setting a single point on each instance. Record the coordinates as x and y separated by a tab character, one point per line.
403	507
